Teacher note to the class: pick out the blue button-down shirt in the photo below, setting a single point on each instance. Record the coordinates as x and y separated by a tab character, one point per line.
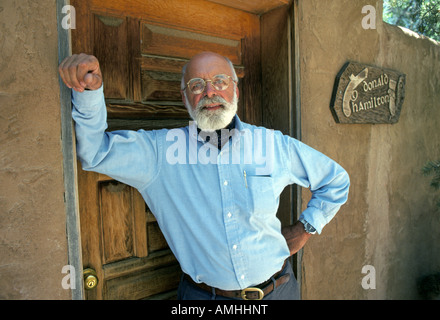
216	208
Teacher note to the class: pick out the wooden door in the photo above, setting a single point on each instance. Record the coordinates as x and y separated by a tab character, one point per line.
142	46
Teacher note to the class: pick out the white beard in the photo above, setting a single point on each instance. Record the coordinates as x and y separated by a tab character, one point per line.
213	120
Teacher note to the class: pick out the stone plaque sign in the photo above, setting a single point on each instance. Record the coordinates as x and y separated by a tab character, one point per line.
367	94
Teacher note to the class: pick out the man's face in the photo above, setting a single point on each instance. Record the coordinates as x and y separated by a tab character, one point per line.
211	109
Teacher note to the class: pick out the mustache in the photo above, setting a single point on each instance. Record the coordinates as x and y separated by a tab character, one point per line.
207	101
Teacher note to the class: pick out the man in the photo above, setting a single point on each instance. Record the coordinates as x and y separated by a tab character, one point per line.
213	186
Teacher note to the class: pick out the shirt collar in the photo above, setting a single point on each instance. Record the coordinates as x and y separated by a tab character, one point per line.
194	131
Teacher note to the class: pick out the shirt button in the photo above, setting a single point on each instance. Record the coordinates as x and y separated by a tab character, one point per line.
229	214
242	277
234	247
225	183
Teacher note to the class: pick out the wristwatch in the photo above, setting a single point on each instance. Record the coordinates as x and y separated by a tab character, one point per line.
307	226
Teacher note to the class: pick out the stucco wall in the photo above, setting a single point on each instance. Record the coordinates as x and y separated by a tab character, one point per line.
33	246
390	221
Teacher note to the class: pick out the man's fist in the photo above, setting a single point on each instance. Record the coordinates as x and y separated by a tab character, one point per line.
81	71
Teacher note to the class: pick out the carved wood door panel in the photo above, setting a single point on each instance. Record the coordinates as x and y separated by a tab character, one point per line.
142	46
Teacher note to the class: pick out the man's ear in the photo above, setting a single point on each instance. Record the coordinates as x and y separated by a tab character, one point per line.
182	93
238	92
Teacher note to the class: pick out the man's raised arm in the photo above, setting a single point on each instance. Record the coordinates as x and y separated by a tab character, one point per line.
126	156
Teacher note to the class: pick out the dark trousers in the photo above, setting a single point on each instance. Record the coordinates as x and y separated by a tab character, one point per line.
286	291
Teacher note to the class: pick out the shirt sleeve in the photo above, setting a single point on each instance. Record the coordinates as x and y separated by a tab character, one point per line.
130	157
327	180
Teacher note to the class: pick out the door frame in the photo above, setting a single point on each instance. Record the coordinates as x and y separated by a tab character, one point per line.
295	112
69	147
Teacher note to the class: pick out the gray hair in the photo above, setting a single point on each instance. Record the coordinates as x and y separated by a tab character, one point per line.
234	74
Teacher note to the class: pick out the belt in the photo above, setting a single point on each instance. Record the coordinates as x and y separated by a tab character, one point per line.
251	293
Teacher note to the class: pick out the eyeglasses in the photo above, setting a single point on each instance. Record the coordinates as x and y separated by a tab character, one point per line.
220	82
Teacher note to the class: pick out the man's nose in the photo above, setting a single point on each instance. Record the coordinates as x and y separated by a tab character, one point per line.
209	90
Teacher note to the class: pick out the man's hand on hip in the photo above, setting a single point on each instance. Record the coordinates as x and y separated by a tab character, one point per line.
296	237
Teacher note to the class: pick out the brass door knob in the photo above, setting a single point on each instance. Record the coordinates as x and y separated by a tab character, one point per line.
90	279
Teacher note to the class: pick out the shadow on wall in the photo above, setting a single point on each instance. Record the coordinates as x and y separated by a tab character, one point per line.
429	287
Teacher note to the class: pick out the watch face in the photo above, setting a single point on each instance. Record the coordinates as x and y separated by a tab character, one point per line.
308	227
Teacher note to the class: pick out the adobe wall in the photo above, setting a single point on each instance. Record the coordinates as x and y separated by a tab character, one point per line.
33	247
390	221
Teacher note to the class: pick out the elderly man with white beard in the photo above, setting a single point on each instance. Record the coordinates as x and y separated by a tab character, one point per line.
218	217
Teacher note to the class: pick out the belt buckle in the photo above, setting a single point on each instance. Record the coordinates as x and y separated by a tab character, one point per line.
244	295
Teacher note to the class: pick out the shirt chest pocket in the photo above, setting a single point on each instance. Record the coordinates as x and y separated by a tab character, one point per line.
261	194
